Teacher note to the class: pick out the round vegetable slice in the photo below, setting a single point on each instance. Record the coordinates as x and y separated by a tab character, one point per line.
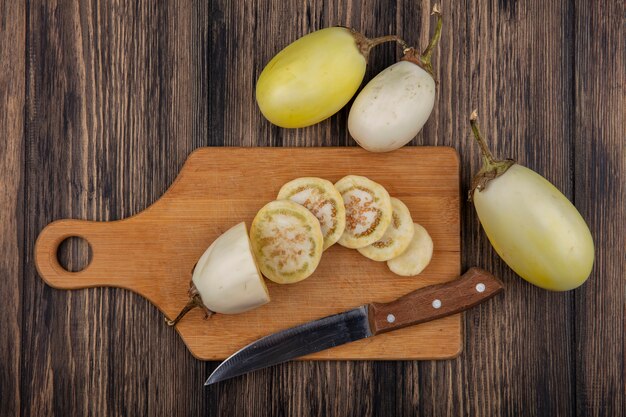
368	211
397	237
322	199
416	257
287	241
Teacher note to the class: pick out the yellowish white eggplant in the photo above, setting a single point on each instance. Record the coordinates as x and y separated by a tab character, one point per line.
394	106
226	278
315	76
534	228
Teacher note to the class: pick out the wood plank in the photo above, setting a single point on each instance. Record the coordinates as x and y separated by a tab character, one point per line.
12	87
495	57
153	252
163	79
118	102
600	195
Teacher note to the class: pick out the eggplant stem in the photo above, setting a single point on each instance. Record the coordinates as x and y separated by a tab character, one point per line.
491	168
191	304
389	38
428	52
365	44
195	301
487	155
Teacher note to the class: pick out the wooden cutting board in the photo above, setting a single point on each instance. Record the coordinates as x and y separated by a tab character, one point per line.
153	252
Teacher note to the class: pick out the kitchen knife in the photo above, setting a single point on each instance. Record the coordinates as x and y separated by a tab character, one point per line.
419	306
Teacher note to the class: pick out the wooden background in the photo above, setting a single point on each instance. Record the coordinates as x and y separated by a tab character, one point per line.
102	101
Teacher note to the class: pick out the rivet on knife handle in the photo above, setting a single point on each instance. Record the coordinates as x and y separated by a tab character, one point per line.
433	302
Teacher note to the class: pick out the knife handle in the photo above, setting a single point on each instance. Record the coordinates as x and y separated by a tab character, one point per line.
435	301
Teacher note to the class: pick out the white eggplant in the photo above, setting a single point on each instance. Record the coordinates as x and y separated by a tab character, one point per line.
534	228
394	106
226	278
315	76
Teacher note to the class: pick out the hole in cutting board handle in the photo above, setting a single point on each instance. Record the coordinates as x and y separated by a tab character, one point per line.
74	254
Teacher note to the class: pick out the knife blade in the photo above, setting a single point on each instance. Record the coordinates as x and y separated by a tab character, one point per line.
422	305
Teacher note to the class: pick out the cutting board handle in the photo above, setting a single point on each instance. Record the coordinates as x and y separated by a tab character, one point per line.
99	237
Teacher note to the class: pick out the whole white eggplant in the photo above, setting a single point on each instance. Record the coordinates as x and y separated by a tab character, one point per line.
394	106
534	228
315	76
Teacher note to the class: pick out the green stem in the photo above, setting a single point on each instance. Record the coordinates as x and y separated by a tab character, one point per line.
491	168
424	60
487	155
428	52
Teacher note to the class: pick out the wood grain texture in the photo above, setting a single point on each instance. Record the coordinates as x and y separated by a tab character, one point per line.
600	194
114	110
153	252
119	93
497	59
12	90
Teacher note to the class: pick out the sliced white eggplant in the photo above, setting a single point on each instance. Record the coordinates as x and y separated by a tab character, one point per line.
321	198
368	211
226	278
287	241
397	237
416	257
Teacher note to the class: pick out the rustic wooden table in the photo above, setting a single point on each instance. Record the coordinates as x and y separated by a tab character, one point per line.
101	102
